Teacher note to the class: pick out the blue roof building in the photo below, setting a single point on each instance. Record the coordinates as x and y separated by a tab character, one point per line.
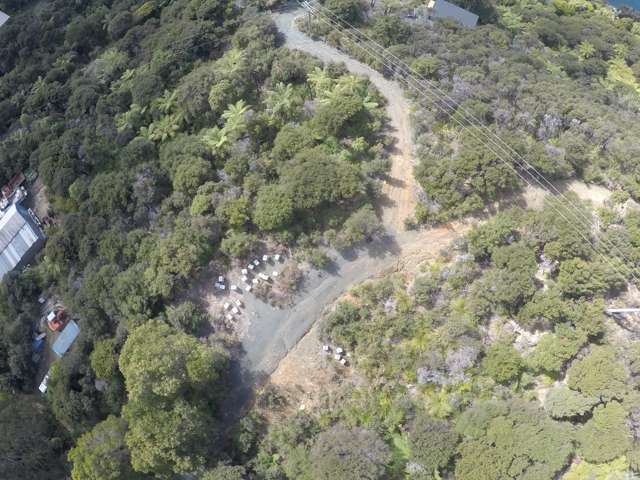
66	338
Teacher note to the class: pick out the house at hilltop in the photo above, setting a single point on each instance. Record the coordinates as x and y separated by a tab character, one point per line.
443	9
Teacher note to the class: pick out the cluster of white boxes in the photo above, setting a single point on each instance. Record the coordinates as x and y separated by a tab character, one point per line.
220	285
338	355
232	308
249	283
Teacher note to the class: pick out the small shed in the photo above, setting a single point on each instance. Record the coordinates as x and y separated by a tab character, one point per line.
66	338
3	18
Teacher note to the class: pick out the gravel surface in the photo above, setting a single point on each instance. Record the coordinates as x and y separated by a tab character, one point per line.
270	332
273	332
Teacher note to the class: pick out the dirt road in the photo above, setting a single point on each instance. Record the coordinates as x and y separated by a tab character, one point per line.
400	188
304	370
269	334
273	332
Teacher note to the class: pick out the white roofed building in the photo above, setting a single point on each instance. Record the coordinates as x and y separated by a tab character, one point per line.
20	238
3	18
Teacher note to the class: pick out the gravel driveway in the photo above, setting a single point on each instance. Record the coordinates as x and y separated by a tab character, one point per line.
273	332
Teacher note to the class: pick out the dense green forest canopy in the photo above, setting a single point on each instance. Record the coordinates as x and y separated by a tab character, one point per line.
167	134
156	142
172	133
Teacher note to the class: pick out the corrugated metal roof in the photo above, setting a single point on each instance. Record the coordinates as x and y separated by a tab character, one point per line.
444	9
3	18
66	338
20	238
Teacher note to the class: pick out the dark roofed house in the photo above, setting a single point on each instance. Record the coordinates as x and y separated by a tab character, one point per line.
20	239
3	18
444	9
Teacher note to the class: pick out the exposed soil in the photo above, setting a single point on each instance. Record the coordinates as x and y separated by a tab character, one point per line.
534	196
400	187
38	200
307	373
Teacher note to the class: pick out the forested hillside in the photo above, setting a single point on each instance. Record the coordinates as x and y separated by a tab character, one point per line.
497	361
173	134
167	134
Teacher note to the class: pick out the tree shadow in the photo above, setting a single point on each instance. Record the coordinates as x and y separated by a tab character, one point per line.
383	246
395	182
241	387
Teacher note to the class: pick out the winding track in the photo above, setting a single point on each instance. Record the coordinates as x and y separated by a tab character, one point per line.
272	333
400	188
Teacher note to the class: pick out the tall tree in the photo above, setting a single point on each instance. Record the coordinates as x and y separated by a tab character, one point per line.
172	383
30	445
340	452
101	453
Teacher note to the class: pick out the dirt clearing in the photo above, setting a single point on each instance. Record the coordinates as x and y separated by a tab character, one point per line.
534	196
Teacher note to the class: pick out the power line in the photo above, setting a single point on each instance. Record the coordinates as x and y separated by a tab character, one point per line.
488	136
424	94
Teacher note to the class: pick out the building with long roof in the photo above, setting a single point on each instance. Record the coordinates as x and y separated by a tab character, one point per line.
444	9
20	238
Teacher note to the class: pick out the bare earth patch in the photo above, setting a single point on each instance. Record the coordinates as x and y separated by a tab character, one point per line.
597	195
307	373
